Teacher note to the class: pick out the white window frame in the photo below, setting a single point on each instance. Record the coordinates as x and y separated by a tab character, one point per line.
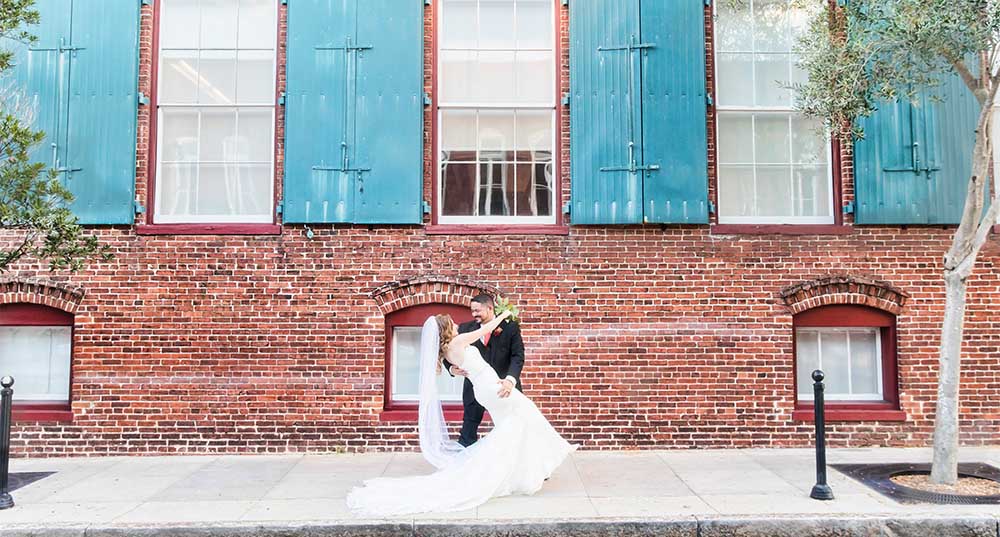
443	106
853	397
790	112
158	217
395	396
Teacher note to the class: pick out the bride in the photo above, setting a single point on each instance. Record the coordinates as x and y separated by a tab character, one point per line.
516	457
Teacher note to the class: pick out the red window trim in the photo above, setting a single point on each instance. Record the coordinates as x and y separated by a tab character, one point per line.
27	314
848	315
415	316
836	172
150	227
559	227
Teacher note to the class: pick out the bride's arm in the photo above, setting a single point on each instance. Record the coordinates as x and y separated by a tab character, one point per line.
462	340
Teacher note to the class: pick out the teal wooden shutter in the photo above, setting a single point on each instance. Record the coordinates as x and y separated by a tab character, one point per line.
390	113
80	79
605	118
99	164
913	165
318	144
353	126
674	137
36	81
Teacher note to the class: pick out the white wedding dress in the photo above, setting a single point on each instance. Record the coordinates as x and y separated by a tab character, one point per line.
516	457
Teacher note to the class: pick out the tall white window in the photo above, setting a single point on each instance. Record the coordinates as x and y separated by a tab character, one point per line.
773	164
496	112
215	111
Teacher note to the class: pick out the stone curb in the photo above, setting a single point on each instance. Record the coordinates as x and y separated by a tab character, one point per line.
786	526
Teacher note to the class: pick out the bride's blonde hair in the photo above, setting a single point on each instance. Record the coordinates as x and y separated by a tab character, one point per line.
446	332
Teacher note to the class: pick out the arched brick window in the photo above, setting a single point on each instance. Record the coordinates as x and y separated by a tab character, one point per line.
855	346
402	367
36	348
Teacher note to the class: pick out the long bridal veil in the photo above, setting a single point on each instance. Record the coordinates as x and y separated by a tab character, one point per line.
435	444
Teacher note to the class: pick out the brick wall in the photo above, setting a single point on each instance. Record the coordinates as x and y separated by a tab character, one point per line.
637	337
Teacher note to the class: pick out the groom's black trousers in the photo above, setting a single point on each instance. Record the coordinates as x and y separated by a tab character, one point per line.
472	416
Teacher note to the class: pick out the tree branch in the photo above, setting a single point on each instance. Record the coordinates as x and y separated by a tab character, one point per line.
975	86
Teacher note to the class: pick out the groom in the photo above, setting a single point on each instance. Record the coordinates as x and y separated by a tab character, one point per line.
503	350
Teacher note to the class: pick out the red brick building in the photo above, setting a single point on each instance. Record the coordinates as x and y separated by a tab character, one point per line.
231	320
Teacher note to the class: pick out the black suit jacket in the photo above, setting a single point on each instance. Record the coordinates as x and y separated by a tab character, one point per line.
505	351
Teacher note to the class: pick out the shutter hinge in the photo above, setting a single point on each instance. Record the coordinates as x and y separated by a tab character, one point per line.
146	2
427	99
849	208
284	2
143	99
427	2
711	207
139	209
709	100
281	99
708	2
566	207
279	208
565	2
427	207
565	99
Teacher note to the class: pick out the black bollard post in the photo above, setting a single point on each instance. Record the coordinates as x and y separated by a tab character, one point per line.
6	397
820	491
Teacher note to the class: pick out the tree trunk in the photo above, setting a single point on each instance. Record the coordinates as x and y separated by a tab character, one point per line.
944	468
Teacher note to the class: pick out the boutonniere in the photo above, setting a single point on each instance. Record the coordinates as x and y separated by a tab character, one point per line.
497	330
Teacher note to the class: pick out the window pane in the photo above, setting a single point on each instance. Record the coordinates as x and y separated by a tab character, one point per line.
534	78
533	189
458	189
534	24
534	133
458	135
496	135
176	189
255	76
812	191
179	20
459	24
179	135
735	138
496	24
865	363
38	357
257	27
218	23
254	135
217	81
806	360
218	135
178	77
406	369
774	191
736	191
771	30
772	75
458	77
496	77
735	79
808	147
734	29
771	144
493	192
833	346
250	189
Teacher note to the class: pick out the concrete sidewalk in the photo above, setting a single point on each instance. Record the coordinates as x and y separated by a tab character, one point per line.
696	492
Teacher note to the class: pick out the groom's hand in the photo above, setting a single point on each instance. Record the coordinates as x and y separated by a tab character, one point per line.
506	386
458	371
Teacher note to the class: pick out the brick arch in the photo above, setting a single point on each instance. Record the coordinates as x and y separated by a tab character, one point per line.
844	290
42	292
430	289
